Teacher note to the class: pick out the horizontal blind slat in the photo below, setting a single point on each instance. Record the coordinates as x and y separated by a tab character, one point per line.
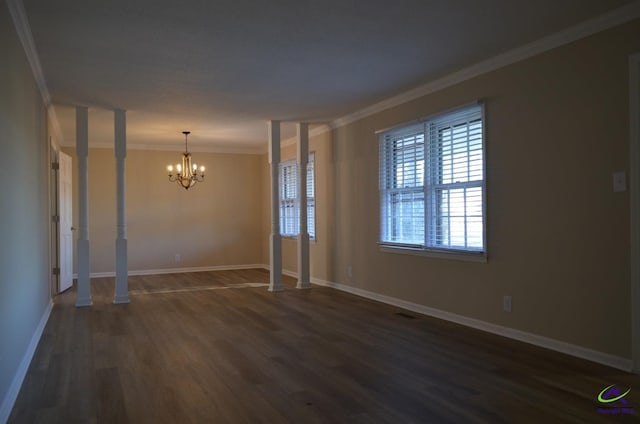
431	182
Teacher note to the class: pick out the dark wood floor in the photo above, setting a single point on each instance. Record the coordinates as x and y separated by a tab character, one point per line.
217	347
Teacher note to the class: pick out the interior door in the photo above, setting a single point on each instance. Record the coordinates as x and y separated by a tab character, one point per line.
66	239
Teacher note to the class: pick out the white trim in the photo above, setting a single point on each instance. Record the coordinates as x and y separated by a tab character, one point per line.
14	389
288	272
608	20
511	333
21	22
23	29
55	125
523	336
634	185
317	130
417	123
177	148
177	270
454	255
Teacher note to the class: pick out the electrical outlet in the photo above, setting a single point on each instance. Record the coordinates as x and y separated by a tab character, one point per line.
178	258
619	182
349	271
506	303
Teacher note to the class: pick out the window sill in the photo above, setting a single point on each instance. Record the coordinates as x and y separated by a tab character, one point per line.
295	238
438	254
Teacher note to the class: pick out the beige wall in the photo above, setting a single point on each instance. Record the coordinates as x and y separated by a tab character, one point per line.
321	249
215	223
24	210
265	173
558	236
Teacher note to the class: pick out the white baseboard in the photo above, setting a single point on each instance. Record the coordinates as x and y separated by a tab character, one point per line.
288	273
523	336
21	372
175	270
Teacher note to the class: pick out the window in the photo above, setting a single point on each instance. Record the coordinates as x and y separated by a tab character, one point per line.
289	205
432	183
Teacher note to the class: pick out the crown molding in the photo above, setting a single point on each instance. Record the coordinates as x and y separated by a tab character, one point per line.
179	148
608	20
19	16
23	29
592	26
55	124
321	129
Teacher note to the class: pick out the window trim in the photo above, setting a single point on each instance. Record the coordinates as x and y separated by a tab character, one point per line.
431	251
294	162
458	255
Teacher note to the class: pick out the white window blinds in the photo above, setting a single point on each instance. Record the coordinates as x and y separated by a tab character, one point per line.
289	204
432	183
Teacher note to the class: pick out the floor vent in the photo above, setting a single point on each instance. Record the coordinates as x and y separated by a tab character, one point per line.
403	315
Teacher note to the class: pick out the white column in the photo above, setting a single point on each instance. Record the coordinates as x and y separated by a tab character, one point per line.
303	238
82	150
122	285
275	246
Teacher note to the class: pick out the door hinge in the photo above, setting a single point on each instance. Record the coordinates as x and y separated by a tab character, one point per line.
56	271
55	166
56	219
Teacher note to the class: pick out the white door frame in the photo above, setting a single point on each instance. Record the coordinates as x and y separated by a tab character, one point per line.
58	281
65	237
53	224
634	186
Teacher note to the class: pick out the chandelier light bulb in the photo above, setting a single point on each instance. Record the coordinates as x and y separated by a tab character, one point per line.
170	169
202	169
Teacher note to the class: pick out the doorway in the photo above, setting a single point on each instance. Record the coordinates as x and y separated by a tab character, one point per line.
61	205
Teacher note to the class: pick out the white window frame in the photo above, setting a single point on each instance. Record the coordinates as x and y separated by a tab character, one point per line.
409	219
289	202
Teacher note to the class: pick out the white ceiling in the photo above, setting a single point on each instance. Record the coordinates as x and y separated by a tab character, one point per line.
223	68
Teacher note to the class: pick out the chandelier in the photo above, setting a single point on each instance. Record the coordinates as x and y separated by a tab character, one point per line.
186	174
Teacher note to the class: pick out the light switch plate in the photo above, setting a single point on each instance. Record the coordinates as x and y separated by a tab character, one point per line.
619	182
506	303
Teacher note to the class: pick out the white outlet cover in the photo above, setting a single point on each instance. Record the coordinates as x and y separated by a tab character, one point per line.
619	182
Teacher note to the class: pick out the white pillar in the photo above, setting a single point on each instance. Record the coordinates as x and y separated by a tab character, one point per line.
275	246
303	239
122	285
82	150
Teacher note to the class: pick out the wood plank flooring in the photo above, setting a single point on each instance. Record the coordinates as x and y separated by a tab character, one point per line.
217	347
